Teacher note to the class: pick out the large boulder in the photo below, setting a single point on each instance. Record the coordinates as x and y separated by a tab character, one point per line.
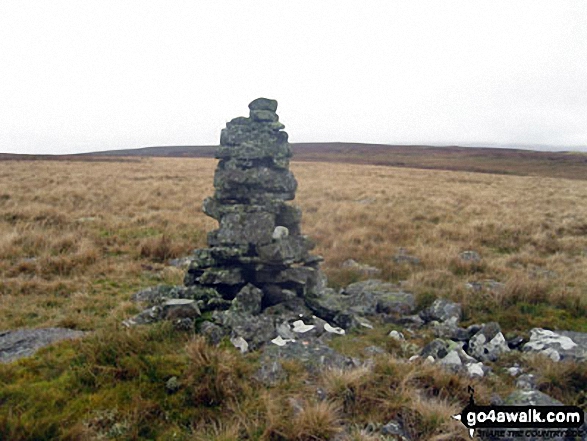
15	344
558	345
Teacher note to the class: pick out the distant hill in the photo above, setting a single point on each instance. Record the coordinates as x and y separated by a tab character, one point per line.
570	165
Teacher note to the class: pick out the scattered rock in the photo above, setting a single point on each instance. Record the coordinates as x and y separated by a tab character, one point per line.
526	382
470	256
475	369
395	429
442	310
373	296
402	257
397	335
488	285
451	359
437	349
488	343
529	397
240	343
558	345
21	343
450	330
311	353
172	385
361	268
213	333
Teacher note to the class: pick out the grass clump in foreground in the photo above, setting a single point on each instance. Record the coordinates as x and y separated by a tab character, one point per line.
73	248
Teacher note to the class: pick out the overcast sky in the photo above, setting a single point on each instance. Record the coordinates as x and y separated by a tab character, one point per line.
78	76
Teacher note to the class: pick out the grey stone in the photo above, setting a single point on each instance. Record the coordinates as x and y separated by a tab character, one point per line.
264	116
437	349
248	300
374	296
263	104
224	276
558	345
402	257
395	429
451	359
274	295
488	343
213	333
313	354
15	344
361	268
526	382
179	308
442	310
449	329
530	398
470	256
172	385
255	330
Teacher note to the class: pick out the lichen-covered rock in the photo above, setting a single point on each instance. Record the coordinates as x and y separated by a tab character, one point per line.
179	308
374	296
312	353
488	343
558	345
15	344
248	300
442	310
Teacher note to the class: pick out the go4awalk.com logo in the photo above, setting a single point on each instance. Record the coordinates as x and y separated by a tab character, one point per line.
521	421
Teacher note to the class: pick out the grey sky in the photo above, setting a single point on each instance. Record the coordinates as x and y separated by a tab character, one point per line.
80	76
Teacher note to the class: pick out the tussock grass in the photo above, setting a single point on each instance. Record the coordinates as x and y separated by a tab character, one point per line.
78	238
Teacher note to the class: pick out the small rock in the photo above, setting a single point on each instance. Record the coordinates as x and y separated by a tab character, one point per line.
442	310
374	350
174	309
280	232
248	300
240	343
475	369
530	398
451	359
436	349
396	335
526	382
488	343
514	371
172	385
361	268
516	342
402	257
395	429
213	333
470	256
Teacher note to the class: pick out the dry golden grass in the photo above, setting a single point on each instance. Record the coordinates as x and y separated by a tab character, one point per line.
77	238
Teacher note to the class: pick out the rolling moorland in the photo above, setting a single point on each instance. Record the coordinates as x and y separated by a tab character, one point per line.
79	236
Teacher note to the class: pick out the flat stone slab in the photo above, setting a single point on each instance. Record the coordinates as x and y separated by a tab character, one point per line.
25	342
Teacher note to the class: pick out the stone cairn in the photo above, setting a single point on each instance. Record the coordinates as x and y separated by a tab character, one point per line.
258	251
257	279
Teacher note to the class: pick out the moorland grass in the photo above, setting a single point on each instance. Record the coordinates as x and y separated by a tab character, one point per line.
78	238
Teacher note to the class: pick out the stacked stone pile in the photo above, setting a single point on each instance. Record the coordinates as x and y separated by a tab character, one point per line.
258	251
